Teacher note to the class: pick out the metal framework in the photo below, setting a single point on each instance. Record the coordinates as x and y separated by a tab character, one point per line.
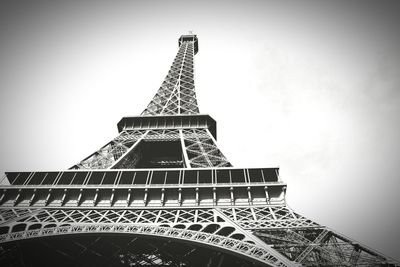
161	193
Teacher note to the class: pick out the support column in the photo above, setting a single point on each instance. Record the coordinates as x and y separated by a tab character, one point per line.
184	152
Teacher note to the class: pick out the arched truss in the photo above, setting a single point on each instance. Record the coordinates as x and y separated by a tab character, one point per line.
206	227
114	250
247	250
233	229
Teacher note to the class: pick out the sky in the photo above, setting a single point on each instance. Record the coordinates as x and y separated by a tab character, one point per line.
311	87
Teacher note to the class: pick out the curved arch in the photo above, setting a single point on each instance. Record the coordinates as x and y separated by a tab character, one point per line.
34	226
18	227
179	226
195	227
225	231
252	252
211	228
237	236
69	250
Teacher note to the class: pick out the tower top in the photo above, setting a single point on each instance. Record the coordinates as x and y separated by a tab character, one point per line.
177	95
190	38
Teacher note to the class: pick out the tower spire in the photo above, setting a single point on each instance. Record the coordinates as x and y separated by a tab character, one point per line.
176	94
170	132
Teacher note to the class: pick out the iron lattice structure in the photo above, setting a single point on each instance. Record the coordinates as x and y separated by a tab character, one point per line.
161	193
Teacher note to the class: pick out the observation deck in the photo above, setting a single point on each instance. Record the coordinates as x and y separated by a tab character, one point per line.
138	188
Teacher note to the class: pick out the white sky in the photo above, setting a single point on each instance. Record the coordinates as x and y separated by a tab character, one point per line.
309	86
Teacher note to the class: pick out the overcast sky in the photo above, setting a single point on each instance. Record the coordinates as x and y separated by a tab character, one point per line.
309	86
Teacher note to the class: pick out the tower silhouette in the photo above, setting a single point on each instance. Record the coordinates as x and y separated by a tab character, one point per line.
162	194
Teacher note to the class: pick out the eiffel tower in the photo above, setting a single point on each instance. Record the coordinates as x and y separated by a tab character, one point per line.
161	193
